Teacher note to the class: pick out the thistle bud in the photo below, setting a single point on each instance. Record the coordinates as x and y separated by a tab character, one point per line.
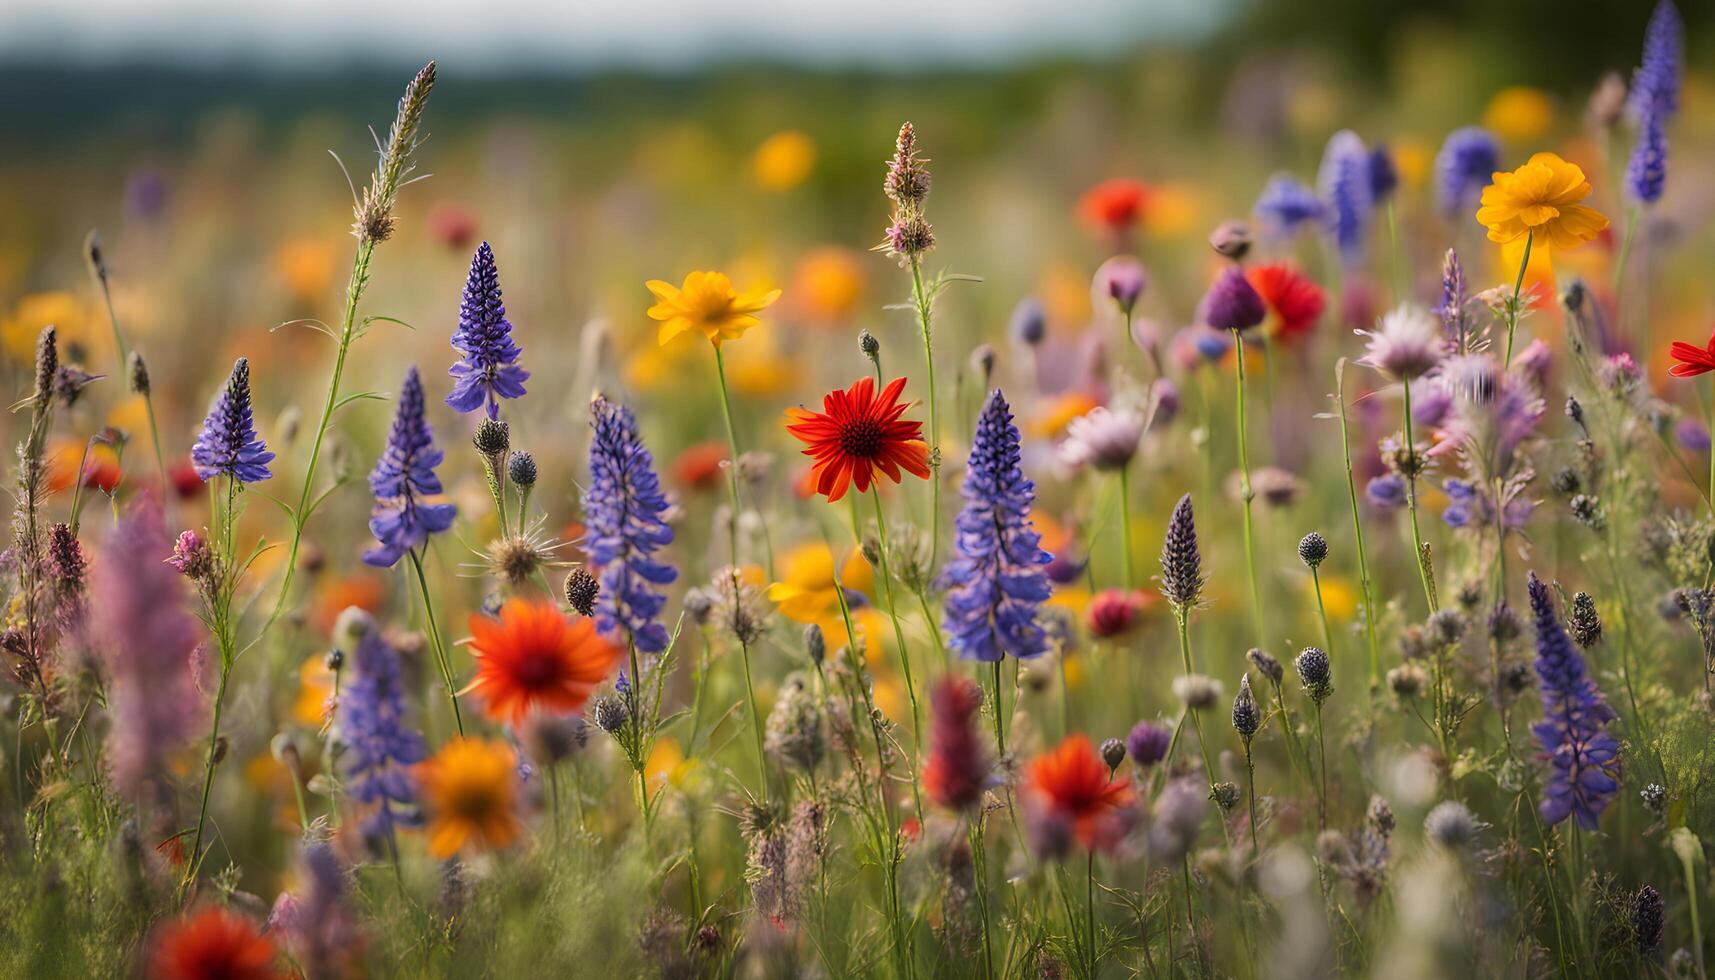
815	644
1313	549
521	469
1266	664
581	591
1246	716
1315	673
1585	624
493	438
1113	753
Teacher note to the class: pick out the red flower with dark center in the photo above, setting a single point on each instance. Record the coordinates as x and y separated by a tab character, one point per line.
1071	784
857	433
1115	205
1693	360
533	657
957	769
214	944
1294	302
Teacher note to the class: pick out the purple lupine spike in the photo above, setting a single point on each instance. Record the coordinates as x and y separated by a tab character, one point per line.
1344	183
1384	175
142	629
996	582
403	476
489	370
1464	166
383	747
1286	204
1584	757
1655	85
228	444
622	511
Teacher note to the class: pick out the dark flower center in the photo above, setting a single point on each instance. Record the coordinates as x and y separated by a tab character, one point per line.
861	437
540	669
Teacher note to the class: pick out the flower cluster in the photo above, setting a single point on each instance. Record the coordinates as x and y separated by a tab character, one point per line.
1584	758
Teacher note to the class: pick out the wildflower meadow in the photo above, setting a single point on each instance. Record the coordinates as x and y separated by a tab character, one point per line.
743	541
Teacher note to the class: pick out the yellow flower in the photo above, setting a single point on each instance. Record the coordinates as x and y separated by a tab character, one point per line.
828	281
1540	199
806	594
1519	114
784	160
471	790
315	686
708	304
73	321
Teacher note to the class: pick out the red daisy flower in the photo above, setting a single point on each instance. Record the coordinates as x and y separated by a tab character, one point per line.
1294	302
214	943
856	433
1693	361
533	657
1115	205
1071	785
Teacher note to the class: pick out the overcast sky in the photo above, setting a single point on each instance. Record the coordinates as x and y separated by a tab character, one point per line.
588	33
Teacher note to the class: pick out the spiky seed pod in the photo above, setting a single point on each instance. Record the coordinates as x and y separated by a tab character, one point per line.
493	438
610	714
582	590
869	345
1585	624
521	469
1225	795
1266	664
1313	549
1452	825
1181	562
1315	673
137	374
1247	717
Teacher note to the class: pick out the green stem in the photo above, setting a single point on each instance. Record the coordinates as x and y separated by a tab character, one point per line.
1322	610
923	303
755	719
1358	532
899	638
999	714
1513	307
1246	493
358	282
732	463
1125	525
441	660
1417	555
1322	757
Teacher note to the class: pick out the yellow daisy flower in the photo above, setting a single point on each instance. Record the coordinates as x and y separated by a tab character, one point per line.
470	788
707	304
1540	199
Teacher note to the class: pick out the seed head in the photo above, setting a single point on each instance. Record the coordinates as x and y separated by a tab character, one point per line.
1113	753
870	346
1648	918
1585	624
610	714
1315	673
493	438
137	374
1199	692
581	591
1225	795
1266	664
521	469
815	644
1407	680
47	365
1452	826
1181	562
1313	549
1247	718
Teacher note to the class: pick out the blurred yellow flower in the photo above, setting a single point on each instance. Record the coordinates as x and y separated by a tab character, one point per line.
708	304
306	266
470	788
828	282
1174	209
784	160
1540	199
1519	114
72	319
759	370
806	594
666	763
1413	157
315	686
1338	597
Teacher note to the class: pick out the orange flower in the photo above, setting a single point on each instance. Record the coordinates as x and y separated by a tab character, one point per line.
471	789
1115	205
1071	784
214	944
1294	300
533	657
707	304
856	433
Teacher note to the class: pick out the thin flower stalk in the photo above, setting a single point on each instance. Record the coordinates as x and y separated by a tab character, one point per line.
1358	528
1246	492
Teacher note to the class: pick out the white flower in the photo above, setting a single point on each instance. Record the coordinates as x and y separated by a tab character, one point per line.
1408	343
1104	439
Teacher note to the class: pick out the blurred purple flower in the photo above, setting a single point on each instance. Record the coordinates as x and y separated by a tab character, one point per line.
1464	166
